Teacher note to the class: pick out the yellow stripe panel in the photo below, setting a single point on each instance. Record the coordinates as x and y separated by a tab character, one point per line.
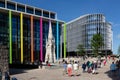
21	35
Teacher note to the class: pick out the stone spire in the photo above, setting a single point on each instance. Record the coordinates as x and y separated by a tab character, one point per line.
50	46
50	35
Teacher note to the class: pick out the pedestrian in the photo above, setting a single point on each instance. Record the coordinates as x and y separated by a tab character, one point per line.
99	63
87	64
94	67
113	69
63	60
109	57
119	68
75	68
40	64
46	62
113	58
49	65
84	67
69	69
104	62
89	70
65	67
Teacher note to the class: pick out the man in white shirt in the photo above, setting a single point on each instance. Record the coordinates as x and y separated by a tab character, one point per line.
75	68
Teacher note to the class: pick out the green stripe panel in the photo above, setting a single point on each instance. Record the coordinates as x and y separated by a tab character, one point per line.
10	37
64	40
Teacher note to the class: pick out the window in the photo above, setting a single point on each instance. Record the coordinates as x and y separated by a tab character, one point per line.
11	6
21	8
29	10
2	4
52	15
46	14
38	12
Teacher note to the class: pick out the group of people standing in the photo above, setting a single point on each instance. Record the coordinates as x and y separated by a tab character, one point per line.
91	66
72	67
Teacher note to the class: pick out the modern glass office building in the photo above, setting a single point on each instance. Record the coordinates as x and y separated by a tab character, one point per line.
24	30
81	30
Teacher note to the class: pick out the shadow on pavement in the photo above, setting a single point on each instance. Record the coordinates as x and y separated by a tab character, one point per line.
14	71
112	76
20	68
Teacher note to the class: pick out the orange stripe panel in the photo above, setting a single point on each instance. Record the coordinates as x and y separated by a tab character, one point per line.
32	55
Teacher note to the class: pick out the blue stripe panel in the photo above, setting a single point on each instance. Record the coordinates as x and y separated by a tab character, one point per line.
57	24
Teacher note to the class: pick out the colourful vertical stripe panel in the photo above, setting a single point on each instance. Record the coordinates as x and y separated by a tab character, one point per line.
10	37
41	40
57	24
32	45
64	40
21	35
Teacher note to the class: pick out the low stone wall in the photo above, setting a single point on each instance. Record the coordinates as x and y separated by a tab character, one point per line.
3	60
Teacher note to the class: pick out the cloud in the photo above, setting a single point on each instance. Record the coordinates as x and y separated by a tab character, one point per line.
115	24
111	23
118	36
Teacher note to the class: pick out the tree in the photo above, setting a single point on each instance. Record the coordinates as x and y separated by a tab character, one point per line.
80	50
119	50
96	43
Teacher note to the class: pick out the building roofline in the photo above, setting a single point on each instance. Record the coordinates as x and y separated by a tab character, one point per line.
34	8
82	17
30	6
31	14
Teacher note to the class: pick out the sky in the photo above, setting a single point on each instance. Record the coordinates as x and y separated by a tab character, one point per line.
68	10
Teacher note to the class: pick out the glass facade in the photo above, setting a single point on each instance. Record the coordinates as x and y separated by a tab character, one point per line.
16	39
25	35
26	39
4	30
80	31
36	39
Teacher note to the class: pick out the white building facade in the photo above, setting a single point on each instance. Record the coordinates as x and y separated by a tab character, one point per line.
81	30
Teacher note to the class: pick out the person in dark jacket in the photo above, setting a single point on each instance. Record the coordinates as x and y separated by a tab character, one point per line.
84	67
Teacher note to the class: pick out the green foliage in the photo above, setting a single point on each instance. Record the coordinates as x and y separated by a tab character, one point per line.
118	50
81	50
96	43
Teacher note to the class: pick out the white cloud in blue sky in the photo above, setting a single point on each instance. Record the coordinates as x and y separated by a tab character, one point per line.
118	36
116	25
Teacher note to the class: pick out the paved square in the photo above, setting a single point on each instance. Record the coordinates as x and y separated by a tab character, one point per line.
57	74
